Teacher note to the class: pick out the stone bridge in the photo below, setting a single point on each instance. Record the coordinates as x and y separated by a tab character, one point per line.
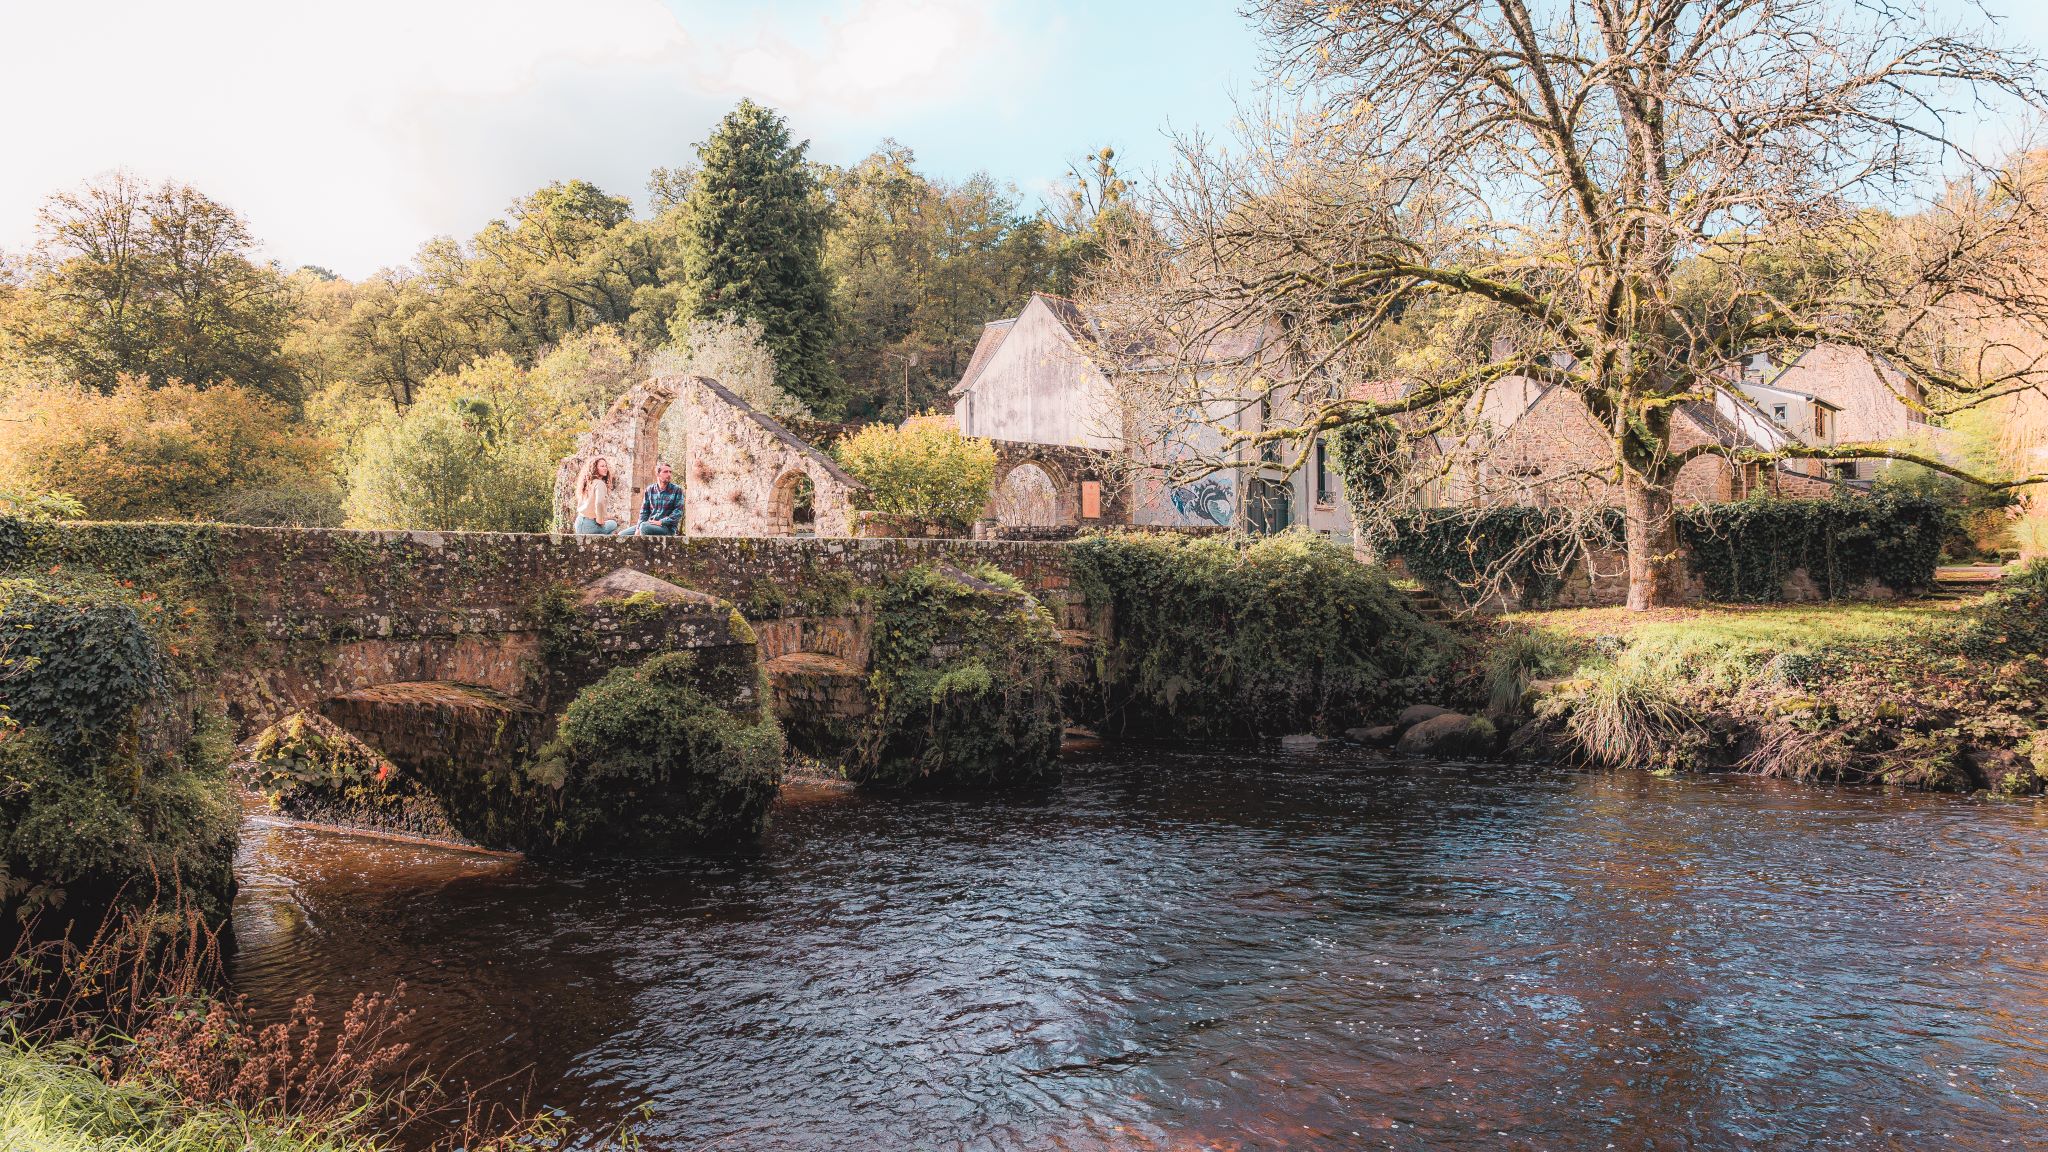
423	642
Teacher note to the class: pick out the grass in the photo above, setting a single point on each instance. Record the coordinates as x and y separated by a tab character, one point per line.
1725	644
1806	625
1929	694
51	1102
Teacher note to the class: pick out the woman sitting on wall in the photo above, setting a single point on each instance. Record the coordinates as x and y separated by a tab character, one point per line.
593	493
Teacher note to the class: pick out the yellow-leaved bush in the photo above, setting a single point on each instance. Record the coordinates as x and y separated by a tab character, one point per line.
924	469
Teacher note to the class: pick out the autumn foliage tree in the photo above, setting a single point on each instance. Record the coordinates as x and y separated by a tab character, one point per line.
174	452
923	470
157	282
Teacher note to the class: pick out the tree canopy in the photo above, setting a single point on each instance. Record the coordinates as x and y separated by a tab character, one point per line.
753	246
1616	200
157	282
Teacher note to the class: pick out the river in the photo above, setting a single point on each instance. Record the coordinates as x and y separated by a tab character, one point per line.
1232	950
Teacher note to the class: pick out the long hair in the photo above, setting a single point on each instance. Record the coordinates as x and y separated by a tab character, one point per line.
590	473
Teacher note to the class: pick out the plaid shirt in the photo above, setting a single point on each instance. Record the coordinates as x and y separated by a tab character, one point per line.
662	504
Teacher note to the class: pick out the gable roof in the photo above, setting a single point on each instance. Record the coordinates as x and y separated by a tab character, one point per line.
1065	311
774	428
1807	396
993	334
1718	427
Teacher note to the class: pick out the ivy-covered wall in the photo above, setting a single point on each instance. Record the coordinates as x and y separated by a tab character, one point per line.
306	615
112	762
1756	550
967	670
455	653
1215	637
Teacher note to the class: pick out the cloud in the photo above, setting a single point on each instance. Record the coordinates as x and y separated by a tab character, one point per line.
349	133
878	52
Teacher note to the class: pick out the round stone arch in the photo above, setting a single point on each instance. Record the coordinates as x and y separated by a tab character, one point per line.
1034	491
793	504
628	436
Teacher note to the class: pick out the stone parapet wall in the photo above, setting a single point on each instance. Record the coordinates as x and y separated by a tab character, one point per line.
310	614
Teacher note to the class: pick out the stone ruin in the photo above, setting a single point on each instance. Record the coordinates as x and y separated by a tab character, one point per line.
742	472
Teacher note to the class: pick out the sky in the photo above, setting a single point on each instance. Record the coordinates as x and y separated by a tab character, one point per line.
348	132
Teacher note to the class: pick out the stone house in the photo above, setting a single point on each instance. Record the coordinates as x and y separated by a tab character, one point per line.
1531	443
743	473
1834	394
1072	454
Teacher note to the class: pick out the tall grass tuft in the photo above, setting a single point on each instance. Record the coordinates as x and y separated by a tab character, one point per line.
51	1100
1627	715
121	1042
1519	655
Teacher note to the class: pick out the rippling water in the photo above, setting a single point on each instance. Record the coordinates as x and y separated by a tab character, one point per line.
1184	950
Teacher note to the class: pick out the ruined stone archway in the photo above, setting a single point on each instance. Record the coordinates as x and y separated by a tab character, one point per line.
792	505
1027	496
628	436
733	458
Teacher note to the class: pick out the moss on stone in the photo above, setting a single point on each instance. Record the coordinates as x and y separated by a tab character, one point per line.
112	782
643	760
965	684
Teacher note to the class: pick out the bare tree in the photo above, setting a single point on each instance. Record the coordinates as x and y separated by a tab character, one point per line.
1612	197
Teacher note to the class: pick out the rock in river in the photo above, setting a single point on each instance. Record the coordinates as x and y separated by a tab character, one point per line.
1448	734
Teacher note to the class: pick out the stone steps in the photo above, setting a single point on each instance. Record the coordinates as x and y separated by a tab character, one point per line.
1429	605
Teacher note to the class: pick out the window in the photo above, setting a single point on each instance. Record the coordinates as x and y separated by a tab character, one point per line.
1822	420
1842	470
1091	499
1325	490
1778	413
1269	451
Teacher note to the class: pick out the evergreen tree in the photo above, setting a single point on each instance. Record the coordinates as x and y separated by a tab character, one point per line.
753	240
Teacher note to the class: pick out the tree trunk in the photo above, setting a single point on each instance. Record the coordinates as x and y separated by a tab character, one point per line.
1652	534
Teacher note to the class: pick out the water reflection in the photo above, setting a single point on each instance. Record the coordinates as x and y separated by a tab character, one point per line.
1219	951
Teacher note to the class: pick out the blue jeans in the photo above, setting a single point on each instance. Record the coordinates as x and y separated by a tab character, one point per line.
649	528
585	526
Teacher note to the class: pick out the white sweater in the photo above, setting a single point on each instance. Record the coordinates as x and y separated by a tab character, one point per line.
595	494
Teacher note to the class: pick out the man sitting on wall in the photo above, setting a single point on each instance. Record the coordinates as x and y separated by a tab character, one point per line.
661	509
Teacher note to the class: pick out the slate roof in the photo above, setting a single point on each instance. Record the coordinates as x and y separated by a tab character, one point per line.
1717	427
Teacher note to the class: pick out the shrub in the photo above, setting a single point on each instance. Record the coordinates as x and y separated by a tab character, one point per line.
1284	634
643	759
457	459
966	683
109	782
169	453
924	470
2012	620
297	504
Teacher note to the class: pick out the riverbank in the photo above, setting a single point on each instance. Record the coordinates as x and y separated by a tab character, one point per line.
52	1101
1937	695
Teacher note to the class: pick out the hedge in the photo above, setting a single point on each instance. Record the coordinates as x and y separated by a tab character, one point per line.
1744	550
1740	550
